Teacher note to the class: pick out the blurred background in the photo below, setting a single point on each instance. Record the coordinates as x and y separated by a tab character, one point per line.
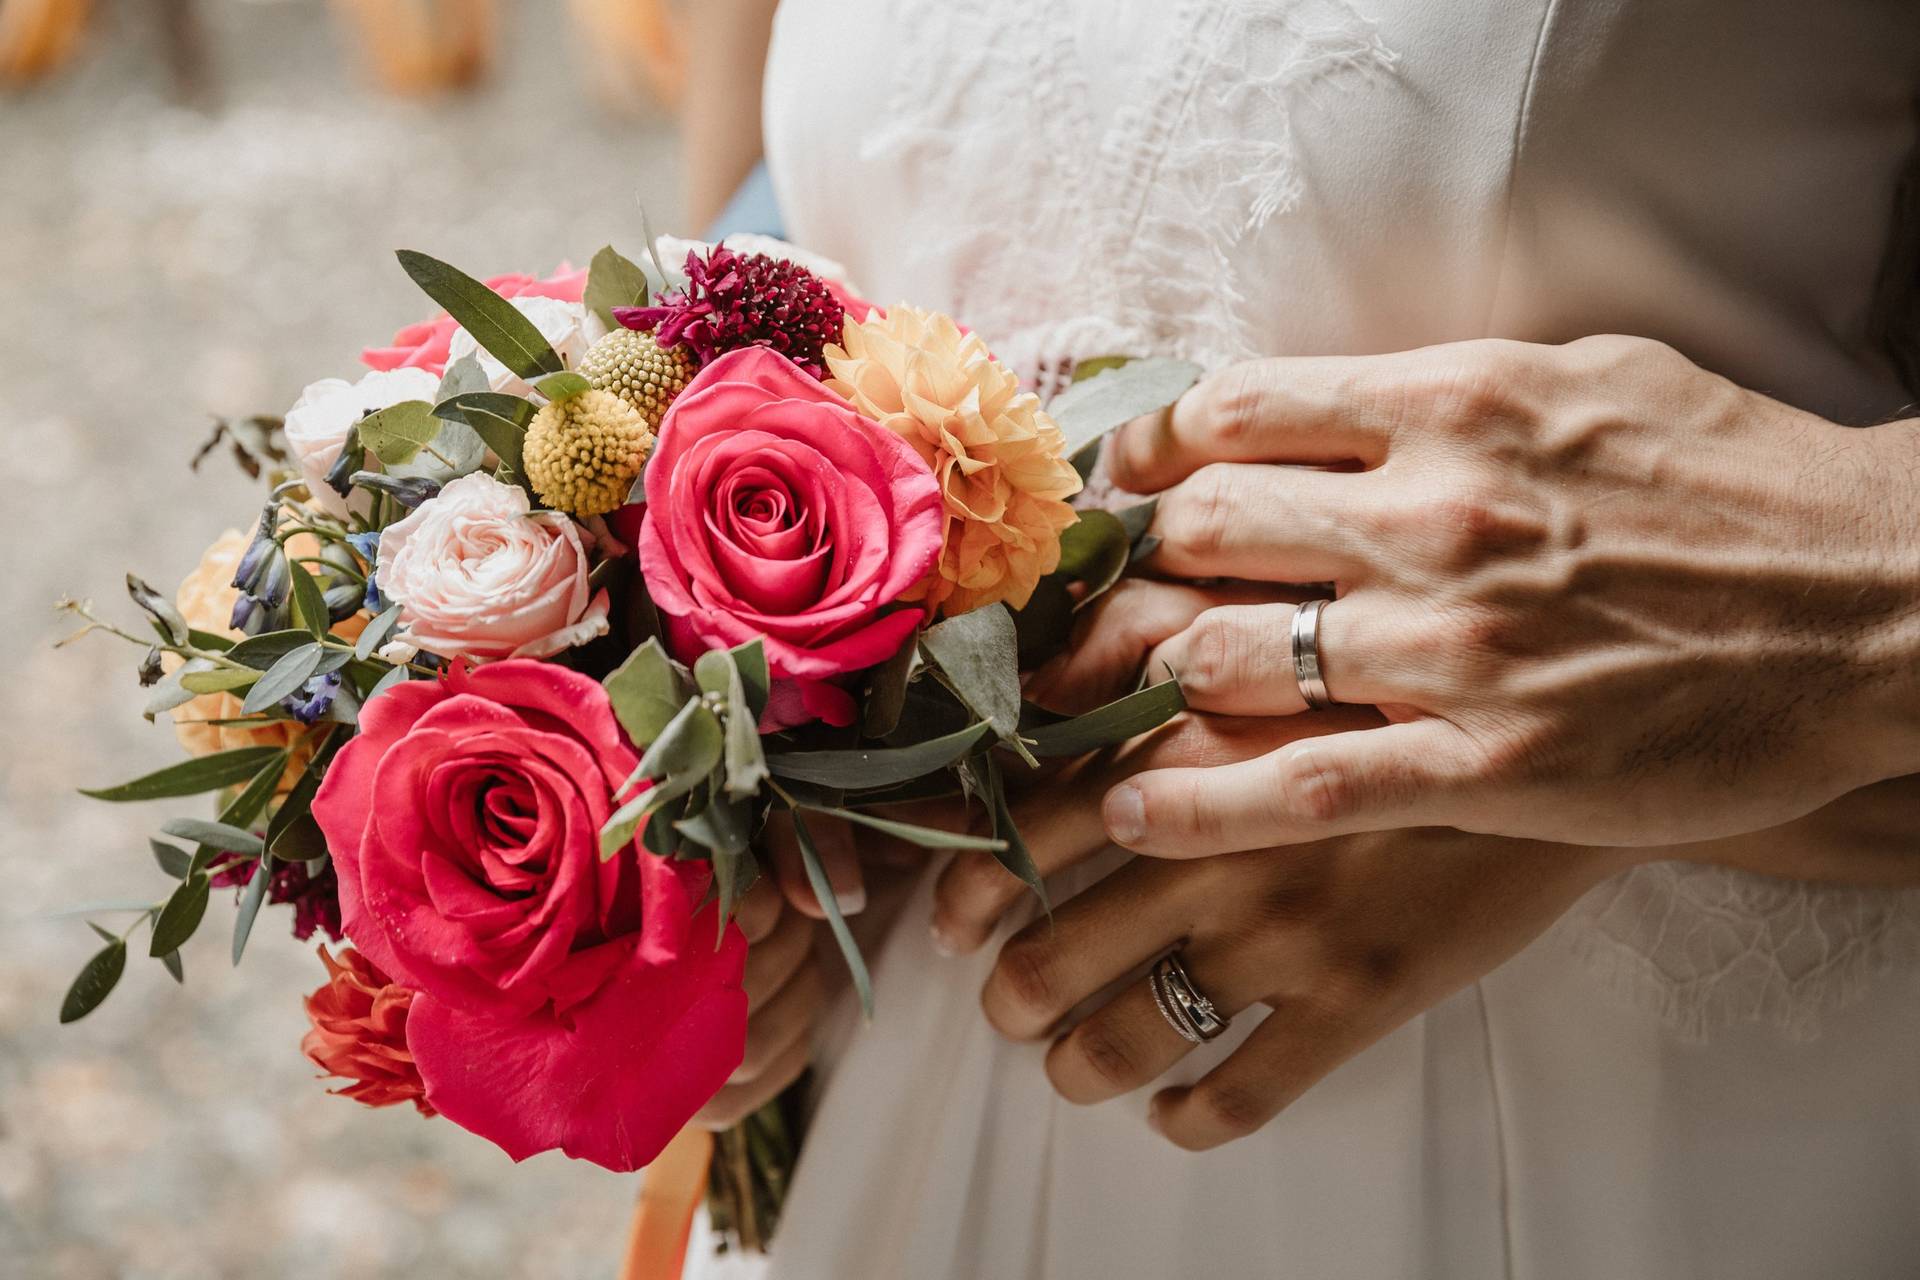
198	204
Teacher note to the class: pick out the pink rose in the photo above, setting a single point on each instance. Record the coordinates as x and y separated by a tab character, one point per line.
561	1001
479	574
776	511
424	345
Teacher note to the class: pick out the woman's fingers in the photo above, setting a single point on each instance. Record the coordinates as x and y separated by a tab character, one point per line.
834	841
1238	659
760	910
785	1018
735	1102
772	962
1297	1044
1387	777
1062	823
1278	410
1263	524
1092	941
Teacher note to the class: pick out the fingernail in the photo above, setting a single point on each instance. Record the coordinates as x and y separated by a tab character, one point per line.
942	944
851	901
1126	814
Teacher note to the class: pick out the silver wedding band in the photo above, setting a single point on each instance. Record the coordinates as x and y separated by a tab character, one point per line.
1181	1004
1306	655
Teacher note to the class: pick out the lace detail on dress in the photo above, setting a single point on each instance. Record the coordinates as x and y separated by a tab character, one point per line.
1706	947
1122	236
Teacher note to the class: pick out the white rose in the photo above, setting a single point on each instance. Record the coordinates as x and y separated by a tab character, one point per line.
318	423
673	252
479	574
567	327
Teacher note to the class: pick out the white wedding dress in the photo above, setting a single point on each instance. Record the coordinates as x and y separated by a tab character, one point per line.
1696	1073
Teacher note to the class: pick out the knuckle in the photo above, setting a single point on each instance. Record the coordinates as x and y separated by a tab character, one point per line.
1108	1055
1025	976
1211	654
1232	404
1235	1110
1312	787
1204	515
970	888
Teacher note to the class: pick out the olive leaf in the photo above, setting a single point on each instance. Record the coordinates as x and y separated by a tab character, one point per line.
96	981
874	767
190	777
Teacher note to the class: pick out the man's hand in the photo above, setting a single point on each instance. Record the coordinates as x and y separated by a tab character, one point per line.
1603	596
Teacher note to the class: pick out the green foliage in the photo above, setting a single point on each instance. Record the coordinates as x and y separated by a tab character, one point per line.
979	654
561	386
823	893
181	916
1118	721
1118	393
875	767
190	777
96	981
1094	550
647	691
398	432
495	324
614	281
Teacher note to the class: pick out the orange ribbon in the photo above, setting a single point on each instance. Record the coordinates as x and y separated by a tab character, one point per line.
670	1194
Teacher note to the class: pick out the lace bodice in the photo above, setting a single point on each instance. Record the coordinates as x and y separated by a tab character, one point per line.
1220	179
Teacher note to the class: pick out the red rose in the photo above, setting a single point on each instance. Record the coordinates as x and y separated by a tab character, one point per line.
775	511
562	1001
424	345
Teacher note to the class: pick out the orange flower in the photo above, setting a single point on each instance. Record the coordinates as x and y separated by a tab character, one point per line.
205	599
360	1033
996	453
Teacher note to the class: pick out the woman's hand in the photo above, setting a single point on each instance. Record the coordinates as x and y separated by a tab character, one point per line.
1343	940
785	994
1602	594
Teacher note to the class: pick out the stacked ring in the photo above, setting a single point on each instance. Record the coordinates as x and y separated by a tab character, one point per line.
1181	1004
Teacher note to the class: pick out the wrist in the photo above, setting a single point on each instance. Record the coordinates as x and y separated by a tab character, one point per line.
1887	630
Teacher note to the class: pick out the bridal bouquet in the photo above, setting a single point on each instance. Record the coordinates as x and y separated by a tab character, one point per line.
547	612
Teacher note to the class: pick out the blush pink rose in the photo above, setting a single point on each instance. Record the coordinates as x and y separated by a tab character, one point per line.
775	511
424	345
479	574
560	1000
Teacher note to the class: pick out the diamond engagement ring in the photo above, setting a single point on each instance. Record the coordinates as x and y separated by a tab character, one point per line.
1181	1004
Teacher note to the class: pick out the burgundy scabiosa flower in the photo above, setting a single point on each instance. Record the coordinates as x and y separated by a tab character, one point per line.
315	899
734	300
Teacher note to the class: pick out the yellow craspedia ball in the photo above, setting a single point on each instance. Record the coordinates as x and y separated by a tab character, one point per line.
584	453
631	365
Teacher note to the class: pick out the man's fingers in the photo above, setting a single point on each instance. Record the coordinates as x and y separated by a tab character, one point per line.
1115	635
833	839
1238	659
1399	775
1263	524
1285	1055
1276	410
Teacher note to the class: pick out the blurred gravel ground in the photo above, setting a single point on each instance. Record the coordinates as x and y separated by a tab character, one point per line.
158	264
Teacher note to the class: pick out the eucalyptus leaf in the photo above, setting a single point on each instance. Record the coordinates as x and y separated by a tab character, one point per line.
249	908
869	767
495	324
301	840
823	893
746	758
166	618
398	432
979	653
690	745
1044	626
721	826
1094	550
1088	410
267	648
175	969
190	777
886	691
398	675
925	837
1116	722
170	692
647	691
377	633
181	916
96	981
1015	857
211	679
217	835
755	677
500	421
309	601
462	376
1138	518
561	386
172	858
284	677
614	281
